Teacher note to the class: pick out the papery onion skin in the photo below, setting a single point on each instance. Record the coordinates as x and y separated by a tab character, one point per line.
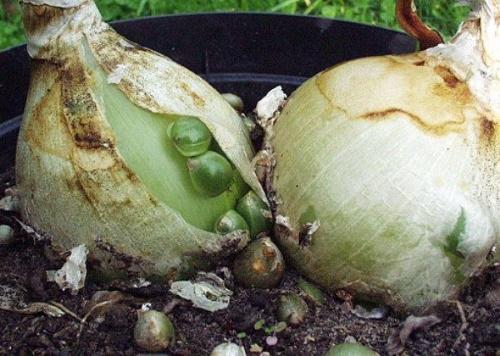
74	183
394	157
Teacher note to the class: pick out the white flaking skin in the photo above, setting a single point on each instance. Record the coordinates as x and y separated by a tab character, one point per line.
474	54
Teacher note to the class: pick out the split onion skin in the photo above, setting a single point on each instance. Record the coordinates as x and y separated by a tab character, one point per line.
395	158
75	178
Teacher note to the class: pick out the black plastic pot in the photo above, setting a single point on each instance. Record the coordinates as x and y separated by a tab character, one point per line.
246	54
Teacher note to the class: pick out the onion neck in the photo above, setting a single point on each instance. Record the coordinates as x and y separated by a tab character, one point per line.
483	24
53	27
474	54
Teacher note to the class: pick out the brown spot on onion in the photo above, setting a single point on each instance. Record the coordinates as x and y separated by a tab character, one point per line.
198	100
38	18
449	78
441	129
81	111
258	267
487	129
38	128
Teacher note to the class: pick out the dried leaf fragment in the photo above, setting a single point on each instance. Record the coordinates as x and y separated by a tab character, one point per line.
375	313
397	340
30	231
47	309
209	293
256	348
13	300
10	203
103	299
73	273
270	104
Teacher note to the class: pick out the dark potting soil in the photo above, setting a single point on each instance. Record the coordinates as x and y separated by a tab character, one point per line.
470	326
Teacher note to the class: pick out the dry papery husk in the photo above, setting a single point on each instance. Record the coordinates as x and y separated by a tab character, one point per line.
396	159
73	181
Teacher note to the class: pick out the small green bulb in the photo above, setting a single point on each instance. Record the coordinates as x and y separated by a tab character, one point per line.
7	234
190	136
211	173
348	349
229	222
311	292
235	101
292	309
255	212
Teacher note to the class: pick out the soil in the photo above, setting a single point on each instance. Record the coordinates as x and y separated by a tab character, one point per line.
23	266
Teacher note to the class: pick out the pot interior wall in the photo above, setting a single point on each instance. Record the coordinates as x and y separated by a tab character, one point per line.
246	54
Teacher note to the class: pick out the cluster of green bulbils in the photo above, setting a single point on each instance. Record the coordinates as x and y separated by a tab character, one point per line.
212	174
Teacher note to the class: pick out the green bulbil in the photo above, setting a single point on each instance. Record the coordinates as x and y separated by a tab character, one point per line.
211	173
348	349
6	235
190	136
235	101
229	222
292	309
311	292
255	212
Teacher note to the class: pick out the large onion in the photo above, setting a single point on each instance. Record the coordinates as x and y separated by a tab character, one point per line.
397	160
95	164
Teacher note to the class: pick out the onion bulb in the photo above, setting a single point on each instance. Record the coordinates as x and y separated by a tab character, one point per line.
348	349
292	309
153	331
387	169
259	265
124	150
